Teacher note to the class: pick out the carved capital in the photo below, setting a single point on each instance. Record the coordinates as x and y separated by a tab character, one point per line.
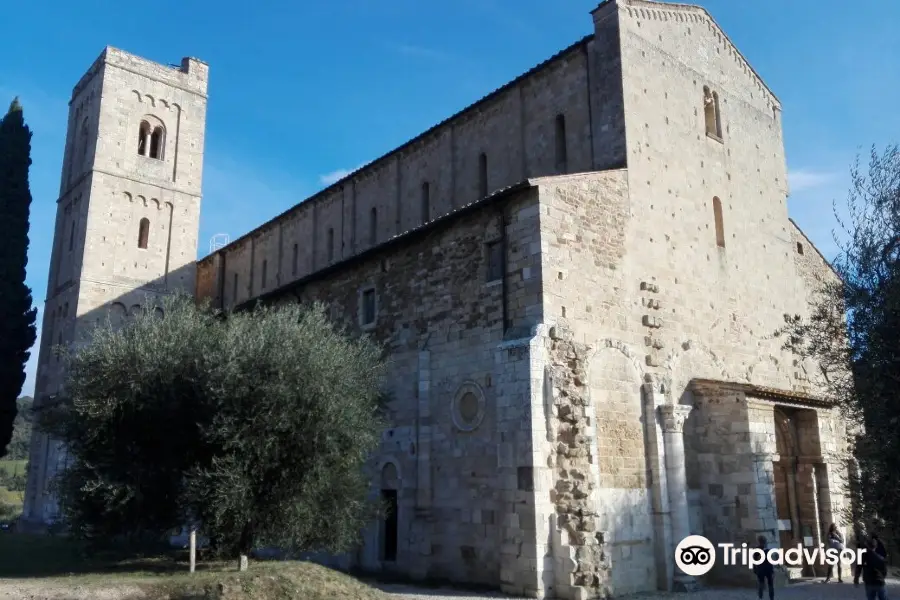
673	416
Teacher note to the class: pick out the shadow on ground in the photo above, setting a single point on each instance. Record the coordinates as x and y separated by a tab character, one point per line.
34	556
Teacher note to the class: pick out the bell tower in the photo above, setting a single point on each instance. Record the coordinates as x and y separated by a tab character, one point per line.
127	218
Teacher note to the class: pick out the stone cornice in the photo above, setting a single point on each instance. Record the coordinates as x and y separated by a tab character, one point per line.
654	10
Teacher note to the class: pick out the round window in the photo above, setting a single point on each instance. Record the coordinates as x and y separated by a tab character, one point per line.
468	407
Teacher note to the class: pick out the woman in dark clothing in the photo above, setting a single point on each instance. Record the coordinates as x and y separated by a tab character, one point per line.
835	541
765	572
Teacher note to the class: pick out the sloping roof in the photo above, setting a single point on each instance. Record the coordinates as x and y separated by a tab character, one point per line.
767	393
391	242
813	246
419	138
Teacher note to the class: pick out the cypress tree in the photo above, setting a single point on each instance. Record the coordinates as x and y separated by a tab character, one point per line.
17	316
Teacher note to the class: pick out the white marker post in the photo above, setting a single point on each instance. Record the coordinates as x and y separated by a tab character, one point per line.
193	549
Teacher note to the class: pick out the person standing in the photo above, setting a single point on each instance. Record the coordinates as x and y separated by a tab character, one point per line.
765	572
873	569
836	542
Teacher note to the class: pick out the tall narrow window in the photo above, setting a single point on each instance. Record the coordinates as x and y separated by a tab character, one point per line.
720	227
265	269
156	141
373	226
84	139
72	235
294	259
368	312
711	114
234	288
330	244
494	261
143	232
426	202
143	137
562	157
482	175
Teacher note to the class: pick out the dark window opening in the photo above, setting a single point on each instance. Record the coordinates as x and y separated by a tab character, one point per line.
72	236
143	134
156	143
391	525
562	158
426	202
799	248
265	269
330	244
720	225
368	307
143	233
482	175
711	114
494	261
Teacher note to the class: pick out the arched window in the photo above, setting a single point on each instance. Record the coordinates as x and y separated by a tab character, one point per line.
330	244
711	114
562	158
156	143
482	175
720	227
151	138
426	202
143	138
143	232
373	226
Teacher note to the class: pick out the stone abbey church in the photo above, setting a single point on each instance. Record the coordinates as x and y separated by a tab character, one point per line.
578	277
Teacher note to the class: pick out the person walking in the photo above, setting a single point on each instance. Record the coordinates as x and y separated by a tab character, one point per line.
765	572
836	542
873	569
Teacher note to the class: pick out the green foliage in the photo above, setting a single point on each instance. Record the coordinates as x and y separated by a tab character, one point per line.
21	436
853	334
17	316
258	424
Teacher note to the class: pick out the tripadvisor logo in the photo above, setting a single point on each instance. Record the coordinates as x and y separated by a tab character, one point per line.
695	556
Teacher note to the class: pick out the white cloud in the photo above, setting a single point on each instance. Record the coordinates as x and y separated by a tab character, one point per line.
804	179
335	176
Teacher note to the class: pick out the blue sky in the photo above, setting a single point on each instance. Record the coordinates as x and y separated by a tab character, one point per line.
300	92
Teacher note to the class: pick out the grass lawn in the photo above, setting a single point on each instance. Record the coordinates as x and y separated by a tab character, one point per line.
13	467
54	567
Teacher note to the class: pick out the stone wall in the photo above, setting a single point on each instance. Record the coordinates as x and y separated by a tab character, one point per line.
459	440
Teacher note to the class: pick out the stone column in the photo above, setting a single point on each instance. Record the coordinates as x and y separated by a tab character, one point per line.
672	418
653	398
147	139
